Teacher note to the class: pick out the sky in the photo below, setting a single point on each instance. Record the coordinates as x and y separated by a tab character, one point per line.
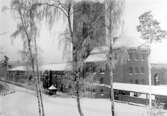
51	48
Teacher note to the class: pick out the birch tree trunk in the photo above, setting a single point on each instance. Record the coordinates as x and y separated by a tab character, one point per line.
74	60
109	39
33	60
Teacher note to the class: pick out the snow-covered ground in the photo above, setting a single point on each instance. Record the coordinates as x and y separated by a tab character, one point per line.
24	103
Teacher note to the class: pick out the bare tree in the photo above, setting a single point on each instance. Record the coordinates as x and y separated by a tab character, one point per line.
26	27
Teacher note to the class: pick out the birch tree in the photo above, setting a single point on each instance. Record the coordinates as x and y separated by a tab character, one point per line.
114	10
27	29
50	10
150	31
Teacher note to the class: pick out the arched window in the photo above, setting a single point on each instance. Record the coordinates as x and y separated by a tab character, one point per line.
156	79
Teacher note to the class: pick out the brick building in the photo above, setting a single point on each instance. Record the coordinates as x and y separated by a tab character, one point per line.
133	69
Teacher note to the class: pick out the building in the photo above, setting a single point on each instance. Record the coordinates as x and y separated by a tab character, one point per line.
51	74
135	70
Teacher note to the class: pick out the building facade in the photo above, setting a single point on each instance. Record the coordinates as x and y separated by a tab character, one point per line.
135	70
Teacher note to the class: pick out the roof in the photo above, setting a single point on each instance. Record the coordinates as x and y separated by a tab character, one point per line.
96	57
155	90
52	87
18	68
57	67
100	49
52	67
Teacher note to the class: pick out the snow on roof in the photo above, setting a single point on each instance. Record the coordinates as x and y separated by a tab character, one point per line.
100	49
101	1
52	67
96	57
57	67
18	68
155	90
52	87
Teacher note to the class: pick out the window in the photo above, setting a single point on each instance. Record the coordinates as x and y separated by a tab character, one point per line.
143	57
130	70
130	56
136	81
142	70
93	90
101	80
101	70
137	56
101	90
136	70
90	68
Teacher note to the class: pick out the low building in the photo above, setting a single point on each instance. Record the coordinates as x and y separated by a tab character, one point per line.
51	74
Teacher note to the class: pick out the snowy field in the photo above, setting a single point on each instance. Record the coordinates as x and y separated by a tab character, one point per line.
24	103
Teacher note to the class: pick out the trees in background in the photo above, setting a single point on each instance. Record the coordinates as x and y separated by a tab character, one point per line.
150	31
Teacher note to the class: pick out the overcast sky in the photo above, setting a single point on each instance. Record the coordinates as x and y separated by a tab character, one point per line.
51	50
